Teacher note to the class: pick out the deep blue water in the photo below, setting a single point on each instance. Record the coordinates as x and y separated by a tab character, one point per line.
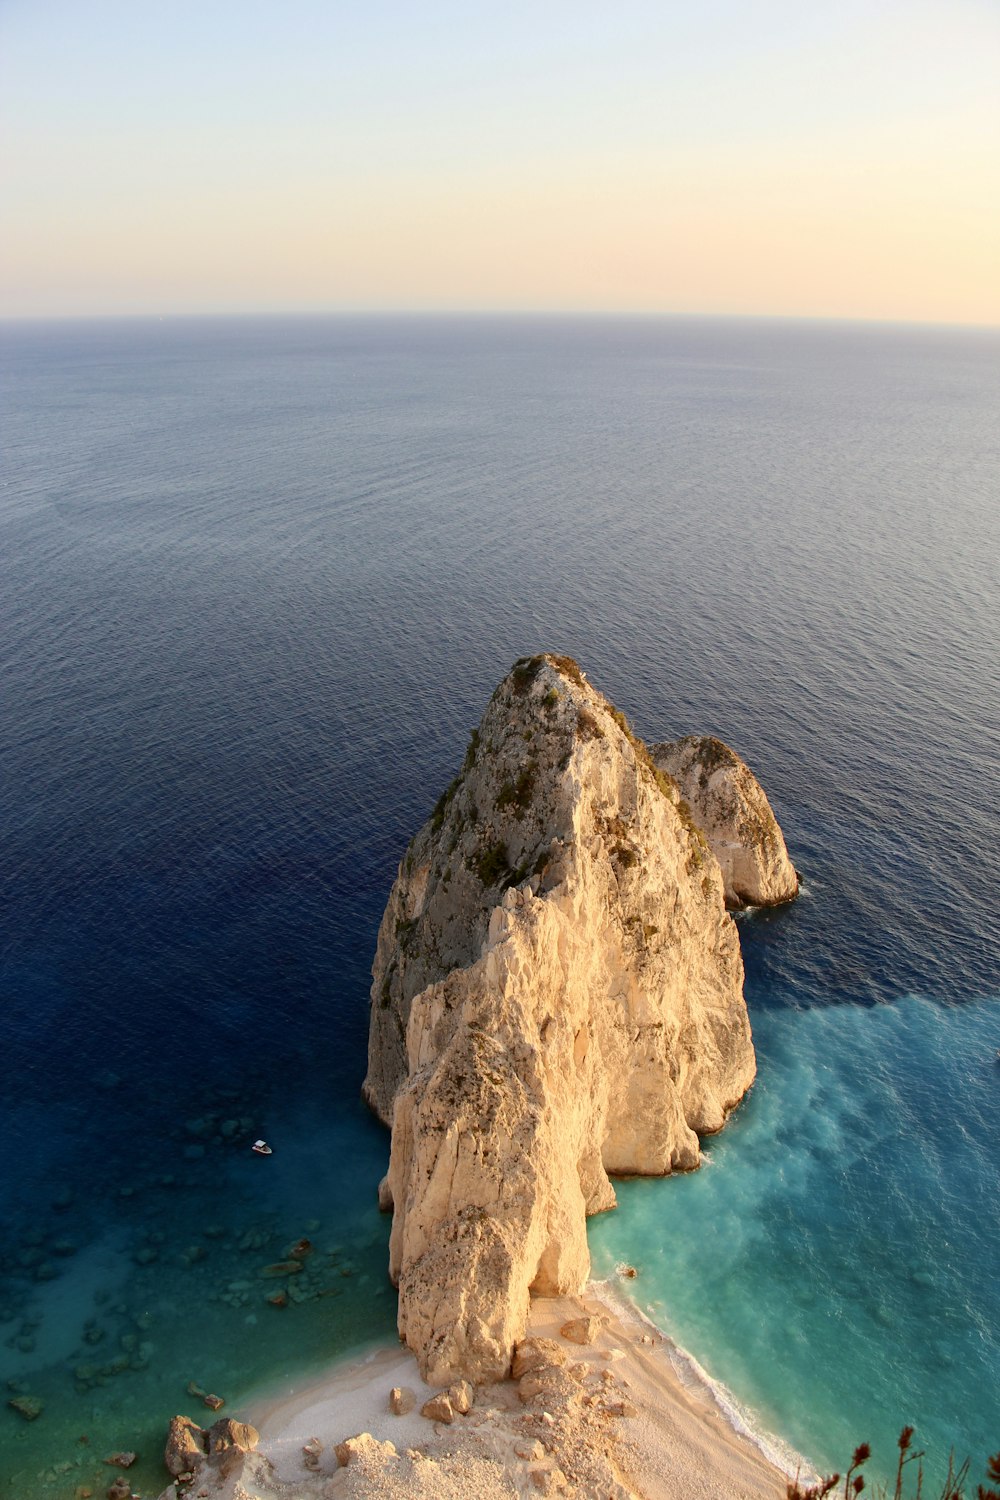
257	582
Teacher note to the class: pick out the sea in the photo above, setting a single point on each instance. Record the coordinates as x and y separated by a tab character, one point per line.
258	578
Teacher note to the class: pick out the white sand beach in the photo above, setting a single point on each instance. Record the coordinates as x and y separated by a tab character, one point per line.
614	1421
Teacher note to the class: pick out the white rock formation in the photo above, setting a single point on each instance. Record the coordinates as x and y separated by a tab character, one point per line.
557	996
730	807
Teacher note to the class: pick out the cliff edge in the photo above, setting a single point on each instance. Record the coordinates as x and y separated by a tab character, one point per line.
557	995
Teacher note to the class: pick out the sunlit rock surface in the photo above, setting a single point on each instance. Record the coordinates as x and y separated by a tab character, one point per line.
731	808
557	995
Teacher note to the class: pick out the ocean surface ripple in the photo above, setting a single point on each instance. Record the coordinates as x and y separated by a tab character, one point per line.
258	580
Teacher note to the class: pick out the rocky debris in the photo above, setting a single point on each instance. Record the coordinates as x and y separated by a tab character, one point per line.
186	1446
618	1409
253	1239
300	1250
533	1353
581	1330
462	1396
445	1475
548	1481
119	1490
456	1401
311	1453
28	1407
731	808
363	1446
214	1403
227	1434
557	995
569	1429
532	1450
229	1444
551	1383
438	1408
401	1400
121	1460
282	1268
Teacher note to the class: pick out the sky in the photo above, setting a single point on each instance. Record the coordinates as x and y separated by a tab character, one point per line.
811	158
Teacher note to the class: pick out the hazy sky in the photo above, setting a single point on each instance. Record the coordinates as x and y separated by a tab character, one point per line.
834	158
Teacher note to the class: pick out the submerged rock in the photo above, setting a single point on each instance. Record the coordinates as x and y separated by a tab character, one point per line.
731	808
557	995
282	1268
28	1407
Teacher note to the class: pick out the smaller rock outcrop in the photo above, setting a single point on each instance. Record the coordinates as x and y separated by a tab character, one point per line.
729	805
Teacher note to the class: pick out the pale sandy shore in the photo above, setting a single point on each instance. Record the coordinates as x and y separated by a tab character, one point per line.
616	1422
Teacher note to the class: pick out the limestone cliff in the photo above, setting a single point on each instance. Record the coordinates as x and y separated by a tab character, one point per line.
557	996
731	808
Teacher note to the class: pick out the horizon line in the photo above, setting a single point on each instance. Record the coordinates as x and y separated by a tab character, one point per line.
561	314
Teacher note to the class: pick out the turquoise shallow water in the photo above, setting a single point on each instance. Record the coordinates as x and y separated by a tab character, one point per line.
257	582
163	1280
835	1267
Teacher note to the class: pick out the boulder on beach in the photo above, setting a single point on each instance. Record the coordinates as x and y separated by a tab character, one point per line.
186	1446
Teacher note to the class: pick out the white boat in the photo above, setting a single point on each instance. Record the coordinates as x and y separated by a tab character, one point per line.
262	1148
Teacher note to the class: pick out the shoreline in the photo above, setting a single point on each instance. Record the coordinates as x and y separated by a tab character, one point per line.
628	1414
695	1380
